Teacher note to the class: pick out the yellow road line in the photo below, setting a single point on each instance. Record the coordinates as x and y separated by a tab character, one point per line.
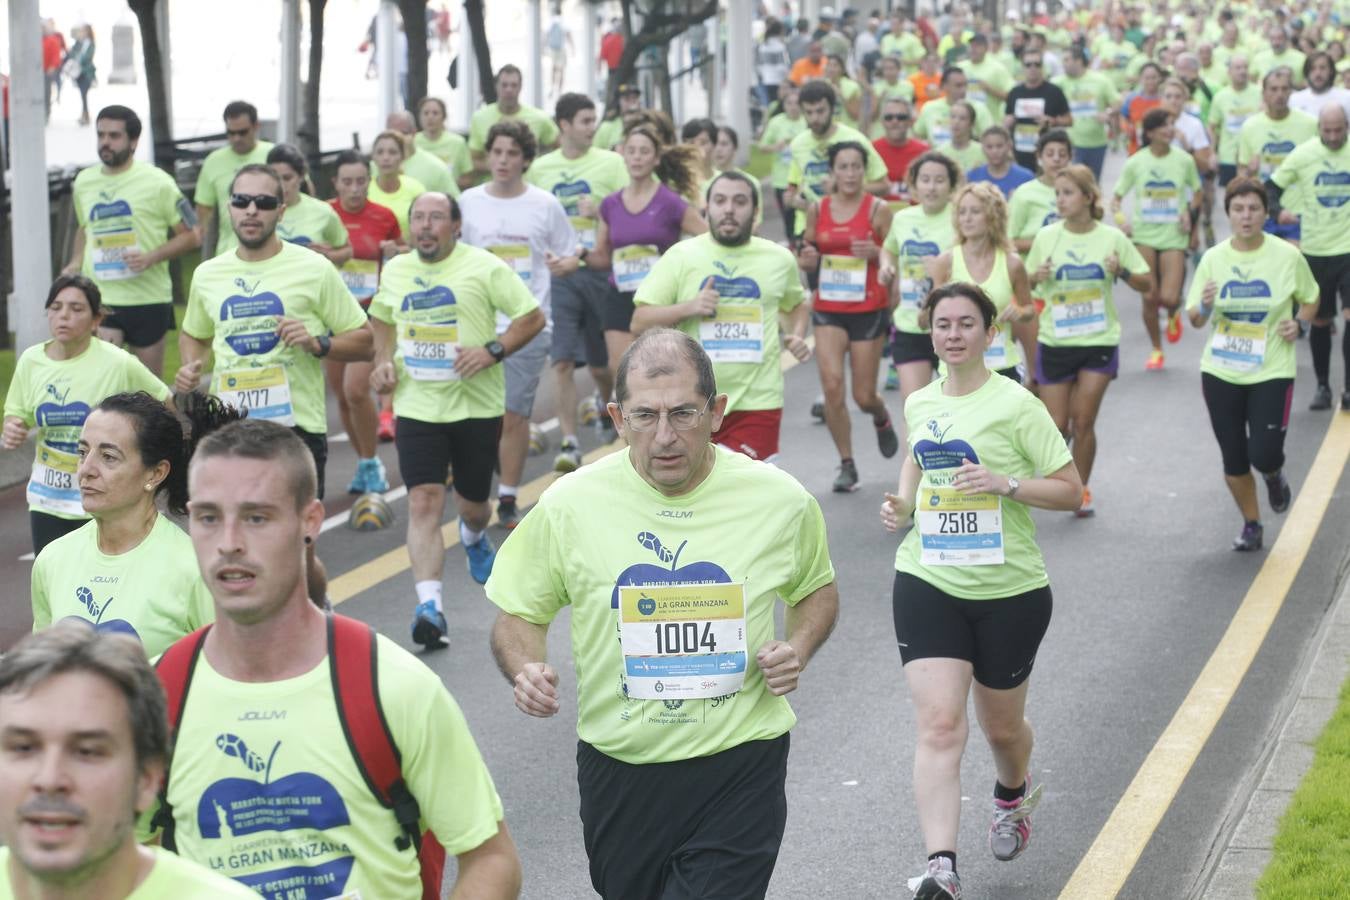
387	565
1103	870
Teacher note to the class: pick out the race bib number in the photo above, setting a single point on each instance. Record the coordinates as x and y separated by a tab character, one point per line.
734	334
1083	107
1029	108
914	283
941	133
264	392
977	96
959	529
1238	346
1233	124
1159	205
110	254
584	226
683	641
362	277
517	256
429	351
843	279
631	265
53	487
785	156
1078	312
1025	137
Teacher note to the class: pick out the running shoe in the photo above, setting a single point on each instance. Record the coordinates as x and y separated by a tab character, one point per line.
481	556
358	483
1155	361
1174	326
1250	539
938	883
568	458
1279	491
377	479
892	379
818	409
1086	510
428	626
508	516
846	482
1321	397
1011	827
386	429
888	442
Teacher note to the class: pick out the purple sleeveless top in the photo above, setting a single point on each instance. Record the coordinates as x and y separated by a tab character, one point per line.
658	223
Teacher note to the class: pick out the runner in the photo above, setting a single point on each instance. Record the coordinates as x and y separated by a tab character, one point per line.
1319	71
55	384
1319	169
422	165
390	187
964	615
444	144
807	174
1245	284
1270	136
776	140
308	222
701	134
983	246
934	122
1092	102
268	312
507	107
124	211
1074	265
999	169
131	570
889	86
726	290
218	171
1139	103
640	223
1277	52
988	78
1164	186
1032	205
66	692
1033	106
898	150
1230	109
609	135
448	388
580	176
963	147
850	308
849	108
708	751
253	512
374	234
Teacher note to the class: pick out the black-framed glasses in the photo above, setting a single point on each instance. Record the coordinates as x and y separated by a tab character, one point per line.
1030	64
895	117
681	418
264	202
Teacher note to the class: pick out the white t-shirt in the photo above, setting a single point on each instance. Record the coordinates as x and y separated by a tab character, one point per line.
1312	103
520	230
1191	134
771	61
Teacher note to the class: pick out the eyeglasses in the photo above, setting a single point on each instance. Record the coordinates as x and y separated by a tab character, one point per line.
264	202
895	117
681	419
238	132
1031	64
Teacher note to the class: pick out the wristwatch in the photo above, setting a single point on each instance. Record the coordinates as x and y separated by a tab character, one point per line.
1013	485
496	349
325	344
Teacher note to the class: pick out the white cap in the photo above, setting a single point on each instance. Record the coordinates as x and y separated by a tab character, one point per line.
827	12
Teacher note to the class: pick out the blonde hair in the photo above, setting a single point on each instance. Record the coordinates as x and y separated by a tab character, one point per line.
1081	177
995	209
393	136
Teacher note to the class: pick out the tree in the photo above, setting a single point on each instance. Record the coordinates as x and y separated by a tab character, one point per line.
414	14
487	82
161	126
309	129
662	22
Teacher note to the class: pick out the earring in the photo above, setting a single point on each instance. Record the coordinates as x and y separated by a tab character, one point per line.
149	487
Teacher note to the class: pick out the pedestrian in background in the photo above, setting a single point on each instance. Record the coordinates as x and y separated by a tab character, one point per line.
79	65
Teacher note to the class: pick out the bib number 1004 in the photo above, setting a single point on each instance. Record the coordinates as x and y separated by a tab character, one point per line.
685	637
958	522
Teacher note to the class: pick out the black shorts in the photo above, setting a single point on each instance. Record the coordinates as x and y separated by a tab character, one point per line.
1249	422
1332	274
429	451
909	347
141	326
998	637
861	326
618	310
696	828
46	528
1056	365
1227	172
318	448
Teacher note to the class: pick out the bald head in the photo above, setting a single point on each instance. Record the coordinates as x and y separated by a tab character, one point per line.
1331	126
401	121
658	352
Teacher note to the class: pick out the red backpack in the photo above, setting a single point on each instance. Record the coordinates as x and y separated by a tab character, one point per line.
352	660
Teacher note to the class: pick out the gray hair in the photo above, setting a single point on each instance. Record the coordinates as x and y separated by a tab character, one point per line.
659	351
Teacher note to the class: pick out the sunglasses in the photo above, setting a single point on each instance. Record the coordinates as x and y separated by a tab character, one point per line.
264	202
237	132
1029	64
895	117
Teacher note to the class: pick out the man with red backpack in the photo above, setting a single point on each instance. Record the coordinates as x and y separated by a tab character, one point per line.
311	757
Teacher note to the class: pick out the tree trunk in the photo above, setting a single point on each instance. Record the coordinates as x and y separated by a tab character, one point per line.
415	29
487	80
309	130
659	27
160	125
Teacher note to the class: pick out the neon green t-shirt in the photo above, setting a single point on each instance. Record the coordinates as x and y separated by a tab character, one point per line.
971	156
1323	178
934	122
132	210
156	586
236	305
781	128
449	148
1004	352
1006	429
1088	96
1114	60
1267	60
213	187
545	131
595	174
1080	310
1215	74
1228	112
987	73
811	162
846	90
1269	141
906	45
755	281
916	237
55	397
1030	208
648	539
609	133
264	788
171	878
1160	187
431	172
459	297
399	201
1242	346
312	221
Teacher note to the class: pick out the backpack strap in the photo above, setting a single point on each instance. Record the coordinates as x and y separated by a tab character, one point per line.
175	668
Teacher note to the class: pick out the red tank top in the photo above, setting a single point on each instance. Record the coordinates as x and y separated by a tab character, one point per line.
847	284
